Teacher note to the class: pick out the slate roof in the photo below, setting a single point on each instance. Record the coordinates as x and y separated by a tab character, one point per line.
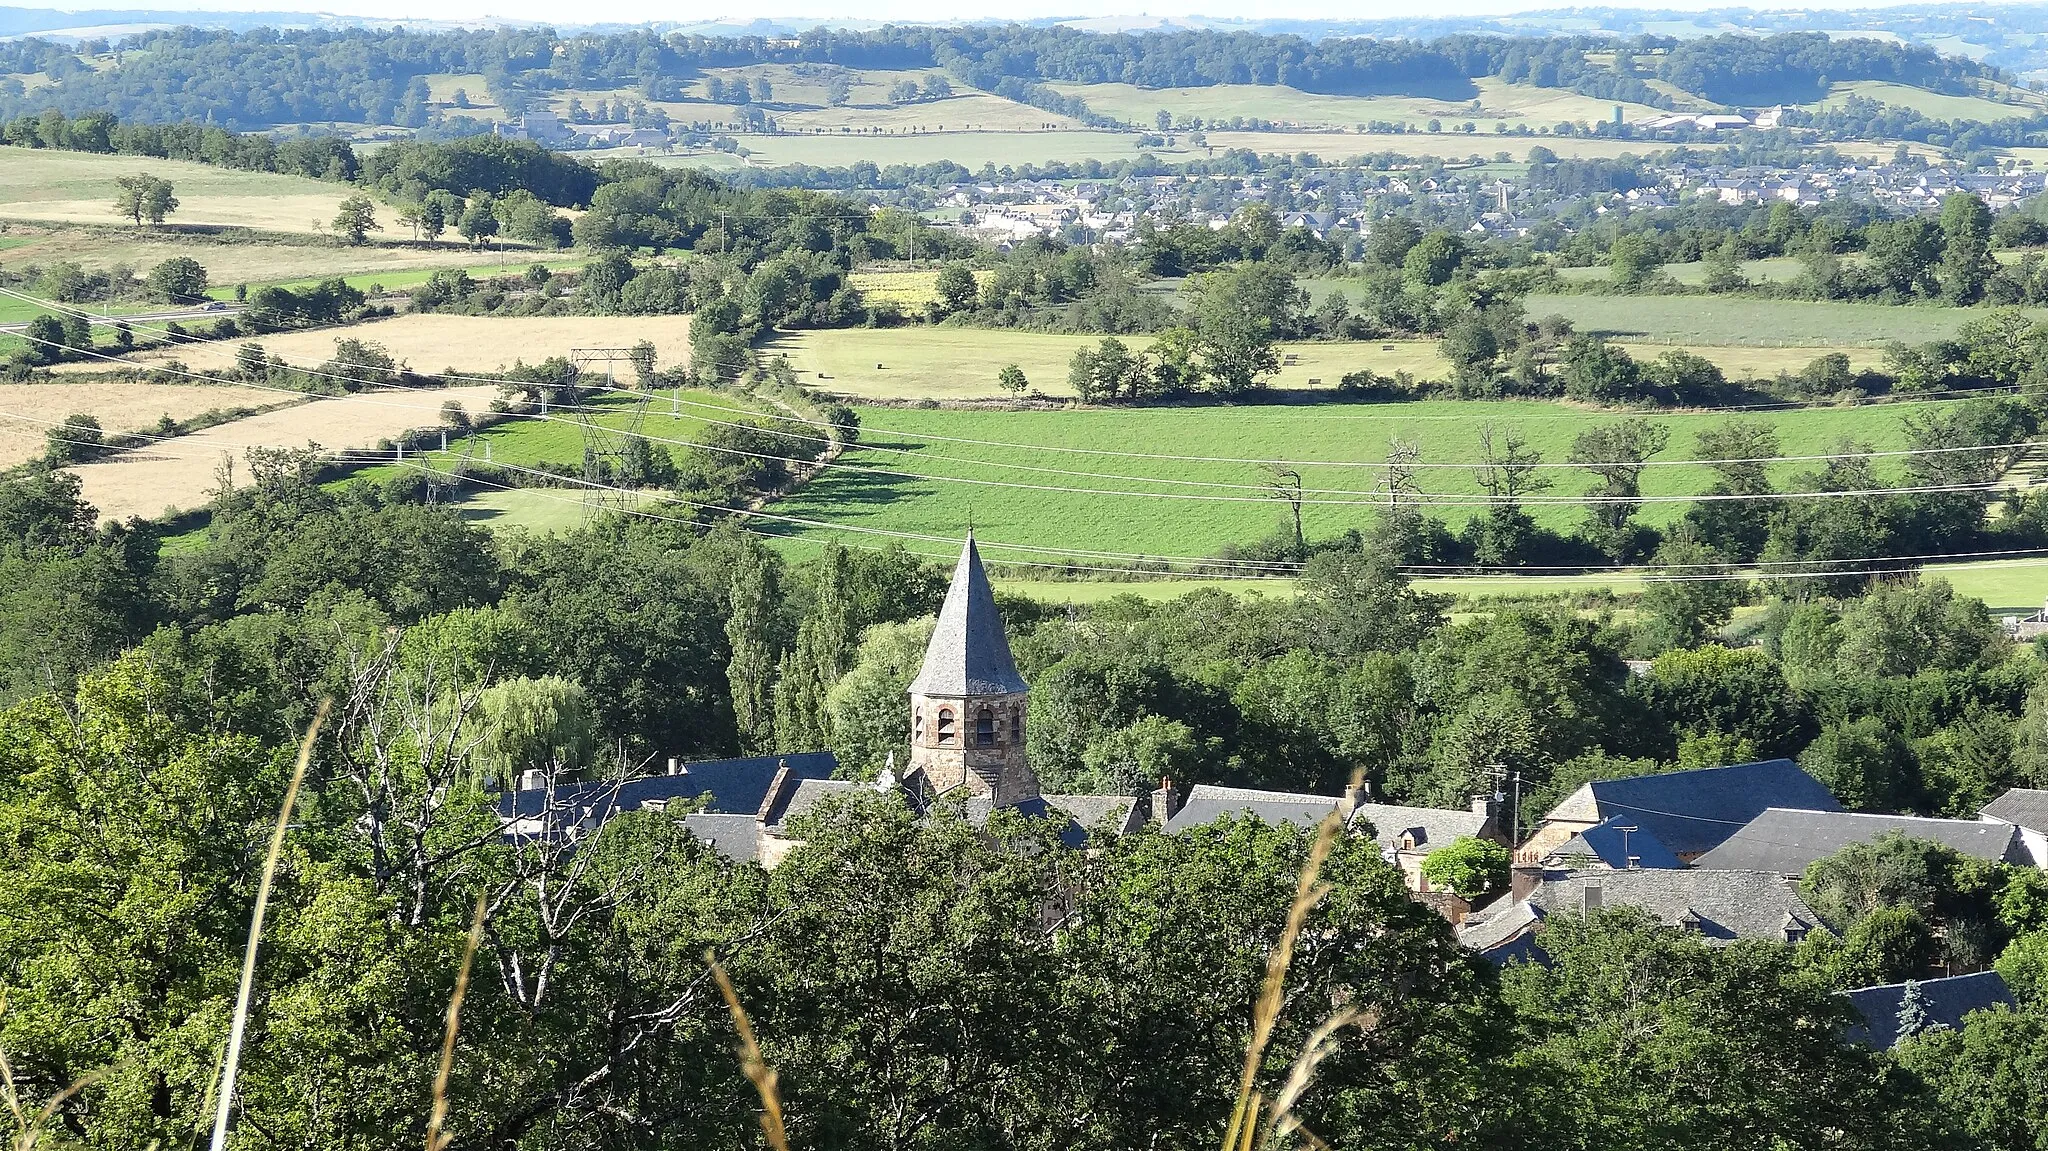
1118	812
1693	811
1431	827
2022	807
1721	905
1606	842
733	787
1207	803
1946	1001
1785	841
737	837
806	795
968	654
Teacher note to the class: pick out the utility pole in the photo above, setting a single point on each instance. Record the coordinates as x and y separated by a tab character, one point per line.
1505	778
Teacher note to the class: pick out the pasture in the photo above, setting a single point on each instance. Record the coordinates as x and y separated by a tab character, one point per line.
78	187
1034	478
430	342
249	260
1737	320
179	473
1939	105
27	410
947	363
1496	101
970	149
675	417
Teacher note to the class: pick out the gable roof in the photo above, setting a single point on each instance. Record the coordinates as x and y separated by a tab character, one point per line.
2022	807
1693	811
968	654
1606	842
1722	906
728	787
1786	841
1946	1002
1207	803
1392	824
1118	813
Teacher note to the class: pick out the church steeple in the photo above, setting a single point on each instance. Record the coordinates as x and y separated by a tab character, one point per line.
967	703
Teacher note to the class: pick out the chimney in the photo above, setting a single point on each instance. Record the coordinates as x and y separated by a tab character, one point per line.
1524	879
532	779
1166	802
676	767
1590	897
1356	796
1485	805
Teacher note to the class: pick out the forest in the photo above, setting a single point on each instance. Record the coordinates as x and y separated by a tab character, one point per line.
265	78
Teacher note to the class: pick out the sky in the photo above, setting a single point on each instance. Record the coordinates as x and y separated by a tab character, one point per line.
638	11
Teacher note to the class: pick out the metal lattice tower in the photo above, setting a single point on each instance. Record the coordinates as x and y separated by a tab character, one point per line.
605	449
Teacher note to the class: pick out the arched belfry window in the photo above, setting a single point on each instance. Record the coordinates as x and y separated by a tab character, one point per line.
917	724
1016	724
985	727
947	735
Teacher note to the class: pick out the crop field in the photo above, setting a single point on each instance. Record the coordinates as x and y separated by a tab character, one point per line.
920	482
178	473
431	342
1497	100
27	410
248	261
1484	143
1769	270
79	187
801	106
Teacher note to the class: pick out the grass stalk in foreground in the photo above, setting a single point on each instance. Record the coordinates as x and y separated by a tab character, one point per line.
1244	1118
435	1139
757	1069
224	1104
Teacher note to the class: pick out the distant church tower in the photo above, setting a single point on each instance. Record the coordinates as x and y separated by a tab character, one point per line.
967	703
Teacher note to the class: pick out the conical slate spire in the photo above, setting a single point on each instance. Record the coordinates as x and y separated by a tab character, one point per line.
968	655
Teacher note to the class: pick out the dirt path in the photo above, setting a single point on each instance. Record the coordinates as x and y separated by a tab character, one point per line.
179	473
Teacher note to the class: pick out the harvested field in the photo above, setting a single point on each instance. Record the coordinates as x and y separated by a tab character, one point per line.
179	473
430	343
119	405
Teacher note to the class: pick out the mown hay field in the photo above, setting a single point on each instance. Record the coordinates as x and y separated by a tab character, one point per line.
27	410
429	343
36	184
921	482
179	473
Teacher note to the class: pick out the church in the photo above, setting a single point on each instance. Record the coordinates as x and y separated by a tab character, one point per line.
967	711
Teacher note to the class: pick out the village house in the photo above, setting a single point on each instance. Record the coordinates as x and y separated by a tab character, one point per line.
1786	841
2026	809
1720	906
1688	812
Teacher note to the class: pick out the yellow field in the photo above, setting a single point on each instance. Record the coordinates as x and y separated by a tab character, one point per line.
429	343
177	474
240	263
27	410
79	187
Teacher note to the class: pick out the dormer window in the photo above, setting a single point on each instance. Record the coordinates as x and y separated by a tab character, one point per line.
948	736
985	727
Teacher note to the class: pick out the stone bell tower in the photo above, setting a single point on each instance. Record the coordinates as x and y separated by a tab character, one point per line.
967	703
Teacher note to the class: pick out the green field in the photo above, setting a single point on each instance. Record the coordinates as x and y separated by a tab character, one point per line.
1737	320
1134	506
529	442
1496	101
1939	105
